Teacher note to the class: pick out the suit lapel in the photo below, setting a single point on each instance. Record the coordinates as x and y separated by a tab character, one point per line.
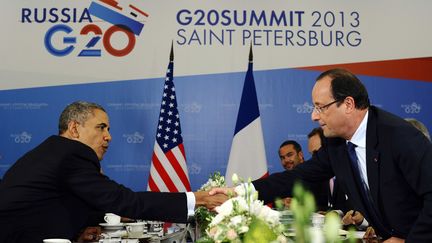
372	156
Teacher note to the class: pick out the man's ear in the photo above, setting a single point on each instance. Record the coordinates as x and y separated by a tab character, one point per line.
73	129
301	155
350	104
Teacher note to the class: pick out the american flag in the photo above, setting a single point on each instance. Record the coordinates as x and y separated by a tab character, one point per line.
168	172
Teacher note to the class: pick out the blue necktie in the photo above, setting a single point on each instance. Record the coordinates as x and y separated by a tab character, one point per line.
354	163
370	207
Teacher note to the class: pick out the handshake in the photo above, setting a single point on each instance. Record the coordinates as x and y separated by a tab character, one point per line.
213	198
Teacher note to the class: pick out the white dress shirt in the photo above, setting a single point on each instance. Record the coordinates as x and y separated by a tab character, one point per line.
190	196
359	139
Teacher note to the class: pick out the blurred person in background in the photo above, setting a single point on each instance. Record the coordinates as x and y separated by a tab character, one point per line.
290	154
420	126
315	140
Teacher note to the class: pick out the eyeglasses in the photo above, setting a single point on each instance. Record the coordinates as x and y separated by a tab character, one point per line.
321	109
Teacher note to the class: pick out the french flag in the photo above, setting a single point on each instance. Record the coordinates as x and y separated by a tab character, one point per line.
247	157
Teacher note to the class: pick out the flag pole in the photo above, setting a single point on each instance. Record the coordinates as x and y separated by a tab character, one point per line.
250	53
172	52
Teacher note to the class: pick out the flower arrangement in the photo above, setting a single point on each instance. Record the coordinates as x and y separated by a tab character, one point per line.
244	218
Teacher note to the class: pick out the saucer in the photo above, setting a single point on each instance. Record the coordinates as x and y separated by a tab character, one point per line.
56	241
112	226
144	236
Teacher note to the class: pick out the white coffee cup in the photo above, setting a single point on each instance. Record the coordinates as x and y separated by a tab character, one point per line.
56	241
136	230
111	218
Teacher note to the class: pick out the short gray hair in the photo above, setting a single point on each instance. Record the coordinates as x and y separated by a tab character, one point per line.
78	111
419	125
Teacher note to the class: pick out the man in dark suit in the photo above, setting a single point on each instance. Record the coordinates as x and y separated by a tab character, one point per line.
52	190
382	162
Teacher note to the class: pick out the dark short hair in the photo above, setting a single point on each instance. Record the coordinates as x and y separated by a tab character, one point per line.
78	111
344	84
296	145
317	131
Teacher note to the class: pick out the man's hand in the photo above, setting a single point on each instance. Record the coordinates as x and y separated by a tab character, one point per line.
352	217
370	233
90	234
203	198
287	202
228	191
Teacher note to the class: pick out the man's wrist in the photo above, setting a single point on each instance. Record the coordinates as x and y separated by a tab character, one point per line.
363	224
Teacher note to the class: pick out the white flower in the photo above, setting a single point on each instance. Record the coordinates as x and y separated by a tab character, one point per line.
240	190
226	208
236	220
214	183
243	229
267	214
235	179
217	219
242	205
247	191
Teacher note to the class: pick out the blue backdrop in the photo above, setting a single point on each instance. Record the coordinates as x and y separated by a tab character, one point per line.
208	106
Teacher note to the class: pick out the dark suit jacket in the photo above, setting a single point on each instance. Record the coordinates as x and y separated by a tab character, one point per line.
320	190
51	191
399	168
338	199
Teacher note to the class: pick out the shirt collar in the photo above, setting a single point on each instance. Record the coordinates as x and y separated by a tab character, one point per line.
359	137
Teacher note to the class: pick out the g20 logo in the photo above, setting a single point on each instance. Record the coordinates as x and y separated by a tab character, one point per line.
91	49
303	108
412	108
23	137
123	19
136	137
